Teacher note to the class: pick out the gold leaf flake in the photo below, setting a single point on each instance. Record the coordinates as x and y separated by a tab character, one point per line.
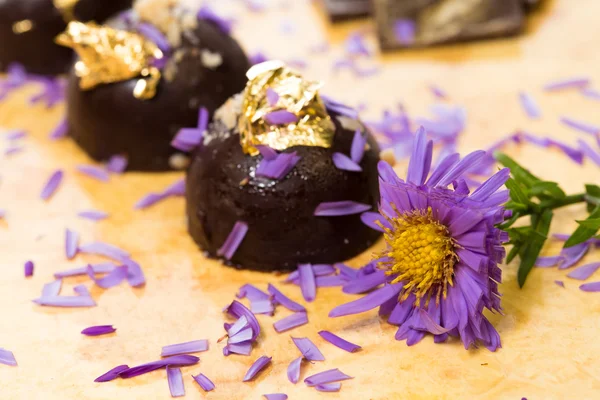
22	26
66	8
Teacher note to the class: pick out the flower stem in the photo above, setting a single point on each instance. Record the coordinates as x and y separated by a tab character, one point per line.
557	203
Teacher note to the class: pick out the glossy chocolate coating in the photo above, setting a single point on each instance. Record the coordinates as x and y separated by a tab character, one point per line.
446	21
35	49
283	231
109	120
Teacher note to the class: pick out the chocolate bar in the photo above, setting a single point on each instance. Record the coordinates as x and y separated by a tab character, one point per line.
346	9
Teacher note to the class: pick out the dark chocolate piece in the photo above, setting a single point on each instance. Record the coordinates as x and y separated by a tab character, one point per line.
421	23
283	231
28	29
339	10
109	120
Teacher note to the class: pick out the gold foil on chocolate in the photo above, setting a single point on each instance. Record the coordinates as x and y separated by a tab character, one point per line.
296	95
25	25
66	8
109	55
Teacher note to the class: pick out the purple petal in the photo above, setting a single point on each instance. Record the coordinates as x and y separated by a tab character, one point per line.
285	301
339	108
98	330
82	290
252	293
262	307
344	163
420	161
577	83
331	281
339	342
52	289
112	374
427	324
281	117
580	126
52	184
28	268
206	13
404	31
293	370
154	365
15	135
461	167
368	302
7	357
529	105
93	215
206	384
256	367
241	348
275	396
355	44
61	130
357	150
114	278
272	97
585	271
194	346
329	387
278	167
560	283
238	310
573	255
589	152
329	376
268	153
117	164
590	287
135	275
591	93
71	243
187	139
438	92
293	321
339	208
572	153
175	189
234	240
491	185
544	262
370	219
308	349
13	150
66	301
365	283
104	249
175	380
153	34
307	282
94	172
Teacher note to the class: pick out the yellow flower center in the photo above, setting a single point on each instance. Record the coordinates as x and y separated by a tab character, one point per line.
422	255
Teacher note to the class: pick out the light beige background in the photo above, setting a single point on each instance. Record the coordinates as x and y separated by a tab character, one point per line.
550	346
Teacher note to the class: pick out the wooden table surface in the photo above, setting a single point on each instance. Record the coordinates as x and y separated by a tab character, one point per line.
549	334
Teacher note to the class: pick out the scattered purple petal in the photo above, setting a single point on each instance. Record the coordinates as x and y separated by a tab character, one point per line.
308	349
590	287
175	380
272	97
176	189
104	249
293	321
135	275
206	384
61	130
560	283
238	310
329	387
9	151
262	307
112	374
281	117
243	348
591	93
285	301
256	367
584	272
358	147
52	289
580	126
544	262
438	92
252	293
29	268
355	45
275	396
530	105
82	290
93	215
66	301
53	92
234	240
405	31
329	376
573	255
574	154
97	268
194	346
339	108
15	135
589	152
153	34
154	365
187	139
278	167
115	277
339	208
573	83
117	164
52	184
293	370
344	163
331	281
98	330
308	285
7	357
71	243
94	172
339	342
268	153
258	58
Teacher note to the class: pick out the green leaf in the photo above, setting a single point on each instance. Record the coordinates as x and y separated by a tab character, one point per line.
508	223
516	193
517	171
547	189
513	253
593	223
592	196
532	248
583	232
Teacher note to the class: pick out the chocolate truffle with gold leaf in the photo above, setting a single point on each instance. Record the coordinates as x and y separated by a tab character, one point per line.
145	76
28	29
282	176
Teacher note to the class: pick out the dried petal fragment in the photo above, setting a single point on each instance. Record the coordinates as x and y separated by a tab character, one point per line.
206	384
339	342
291	322
308	349
234	240
339	208
29	268
52	184
256	367
194	346
71	243
7	357
98	330
329	376
175	380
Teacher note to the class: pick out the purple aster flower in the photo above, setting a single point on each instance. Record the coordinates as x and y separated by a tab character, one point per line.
443	250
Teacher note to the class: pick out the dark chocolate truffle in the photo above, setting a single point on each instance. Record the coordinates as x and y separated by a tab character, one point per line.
222	188
203	70
28	29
